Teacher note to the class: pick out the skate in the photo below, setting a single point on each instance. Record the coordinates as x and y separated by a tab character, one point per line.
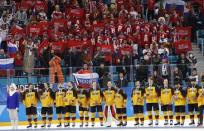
157	123
141	124
120	124
49	125
35	126
43	125
166	122
59	125
200	125
177	124
136	123
29	126
125	124
93	124
192	123
171	122
82	124
73	124
150	123
101	123
182	123
66	125
87	124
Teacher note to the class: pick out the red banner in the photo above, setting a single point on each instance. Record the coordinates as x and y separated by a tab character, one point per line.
78	13
183	32
105	48
42	45
127	49
58	46
183	46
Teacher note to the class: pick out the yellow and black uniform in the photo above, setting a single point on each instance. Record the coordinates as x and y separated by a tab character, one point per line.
70	102
152	98
192	95
200	104
47	99
83	101
120	104
95	101
180	102
30	100
166	99
59	104
137	97
109	96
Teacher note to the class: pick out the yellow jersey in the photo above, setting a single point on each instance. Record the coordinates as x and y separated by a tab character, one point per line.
179	97
137	96
59	98
192	95
151	94
109	95
120	99
30	98
70	97
82	97
95	97
46	98
200	96
166	96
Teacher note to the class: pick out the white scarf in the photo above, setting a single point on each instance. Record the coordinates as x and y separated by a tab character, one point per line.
14	91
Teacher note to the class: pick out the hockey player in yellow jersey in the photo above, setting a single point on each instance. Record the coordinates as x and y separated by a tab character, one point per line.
30	100
109	96
95	100
201	101
70	102
120	105
83	102
59	103
166	93
179	96
137	97
152	99
192	94
46	96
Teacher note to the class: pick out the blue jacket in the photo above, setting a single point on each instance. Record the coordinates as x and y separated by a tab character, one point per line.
13	101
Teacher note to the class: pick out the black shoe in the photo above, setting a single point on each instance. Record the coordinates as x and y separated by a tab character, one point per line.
59	125
120	124
101	123
49	125
136	124
29	126
125	124
87	124
182	123
177	124
43	126
166	122
108	126
35	126
157	123
192	123
141	124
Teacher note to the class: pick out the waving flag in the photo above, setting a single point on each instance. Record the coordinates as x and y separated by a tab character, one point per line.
7	63
85	80
12	48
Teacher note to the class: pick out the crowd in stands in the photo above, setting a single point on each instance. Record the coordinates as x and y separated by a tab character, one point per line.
97	33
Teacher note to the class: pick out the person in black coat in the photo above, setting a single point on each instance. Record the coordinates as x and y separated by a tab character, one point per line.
122	82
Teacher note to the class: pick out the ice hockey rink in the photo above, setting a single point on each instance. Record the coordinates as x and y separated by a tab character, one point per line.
114	127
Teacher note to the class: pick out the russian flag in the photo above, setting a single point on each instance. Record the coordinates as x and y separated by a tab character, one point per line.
12	48
7	63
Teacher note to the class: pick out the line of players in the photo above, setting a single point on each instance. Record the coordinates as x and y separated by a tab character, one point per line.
66	100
